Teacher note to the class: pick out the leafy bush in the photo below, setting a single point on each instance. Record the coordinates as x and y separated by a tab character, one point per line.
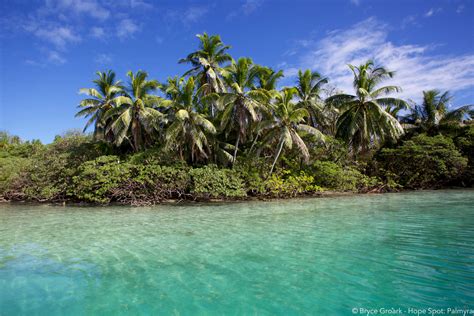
10	172
423	162
333	150
287	185
152	183
47	177
97	178
45	173
209	181
250	171
465	144
333	176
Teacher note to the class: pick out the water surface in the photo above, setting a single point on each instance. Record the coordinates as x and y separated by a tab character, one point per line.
308	256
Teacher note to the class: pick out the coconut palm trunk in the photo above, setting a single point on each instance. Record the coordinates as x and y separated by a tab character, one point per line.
276	157
236	149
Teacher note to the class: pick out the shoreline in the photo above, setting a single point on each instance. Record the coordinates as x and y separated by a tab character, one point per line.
325	194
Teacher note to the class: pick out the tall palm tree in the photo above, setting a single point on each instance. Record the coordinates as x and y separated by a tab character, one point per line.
309	86
243	103
364	119
136	116
99	101
207	63
434	112
268	78
288	124
189	129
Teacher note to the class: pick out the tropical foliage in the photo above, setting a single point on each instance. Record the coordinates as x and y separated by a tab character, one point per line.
365	120
434	113
153	141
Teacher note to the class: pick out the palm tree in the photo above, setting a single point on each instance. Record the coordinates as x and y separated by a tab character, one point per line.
268	78
364	119
189	129
309	87
287	125
99	101
433	113
207	64
136	115
242	104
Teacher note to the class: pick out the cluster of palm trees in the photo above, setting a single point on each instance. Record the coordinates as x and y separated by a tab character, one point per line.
222	106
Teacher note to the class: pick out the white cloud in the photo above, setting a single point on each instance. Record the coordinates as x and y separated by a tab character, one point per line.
47	57
58	24
460	9
56	58
433	11
59	36
190	15
35	63
410	20
416	67
127	28
251	6
103	59
139	4
91	8
355	2
97	32
193	14
248	7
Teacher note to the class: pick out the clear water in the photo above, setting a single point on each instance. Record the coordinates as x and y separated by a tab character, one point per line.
308	256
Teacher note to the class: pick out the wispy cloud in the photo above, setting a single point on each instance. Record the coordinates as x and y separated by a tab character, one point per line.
189	15
127	28
433	11
56	58
193	14
47	57
59	36
417	67
97	32
410	20
103	59
460	8
34	63
55	25
248	7
140	4
355	2
91	8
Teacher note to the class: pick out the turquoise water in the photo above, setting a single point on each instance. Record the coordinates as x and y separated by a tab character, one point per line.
294	257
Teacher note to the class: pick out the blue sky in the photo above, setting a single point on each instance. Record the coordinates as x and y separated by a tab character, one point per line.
51	48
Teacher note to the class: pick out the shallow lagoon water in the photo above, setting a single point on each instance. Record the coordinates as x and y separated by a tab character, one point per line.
291	257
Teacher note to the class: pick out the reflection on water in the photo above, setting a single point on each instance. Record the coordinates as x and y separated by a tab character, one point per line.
284	257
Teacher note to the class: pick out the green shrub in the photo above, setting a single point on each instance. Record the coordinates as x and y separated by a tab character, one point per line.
50	169
333	176
423	162
287	185
47	177
465	144
210	181
97	178
10	172
154	183
250	171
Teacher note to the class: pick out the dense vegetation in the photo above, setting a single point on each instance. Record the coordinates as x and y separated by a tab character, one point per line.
225	130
